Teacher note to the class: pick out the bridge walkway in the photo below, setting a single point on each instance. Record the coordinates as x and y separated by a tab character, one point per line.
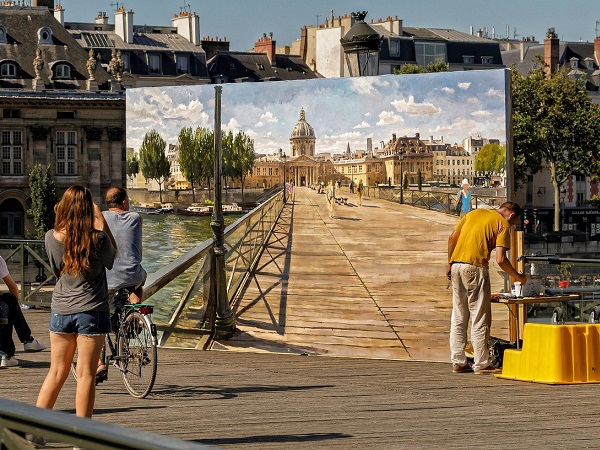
368	283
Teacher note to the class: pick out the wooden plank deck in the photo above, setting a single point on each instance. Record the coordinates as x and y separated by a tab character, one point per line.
274	401
370	283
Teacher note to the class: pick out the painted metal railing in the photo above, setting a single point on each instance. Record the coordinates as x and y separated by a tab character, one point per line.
181	290
441	201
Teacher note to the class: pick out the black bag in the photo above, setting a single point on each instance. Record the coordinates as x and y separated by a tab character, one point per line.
497	347
458	206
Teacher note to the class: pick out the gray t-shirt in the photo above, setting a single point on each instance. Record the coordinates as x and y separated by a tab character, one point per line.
81	293
127	271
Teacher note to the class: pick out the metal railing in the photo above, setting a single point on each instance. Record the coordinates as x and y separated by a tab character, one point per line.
18	419
441	201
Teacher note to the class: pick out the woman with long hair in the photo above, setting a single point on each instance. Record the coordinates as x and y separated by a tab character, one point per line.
80	248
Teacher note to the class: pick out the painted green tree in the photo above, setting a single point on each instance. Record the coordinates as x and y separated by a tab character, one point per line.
190	158
242	157
153	159
555	126
206	144
43	199
491	159
132	164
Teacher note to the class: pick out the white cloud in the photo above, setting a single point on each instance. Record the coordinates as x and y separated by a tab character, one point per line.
448	90
464	86
414	109
389	118
367	114
481	113
473	100
363	124
266	118
495	93
233	125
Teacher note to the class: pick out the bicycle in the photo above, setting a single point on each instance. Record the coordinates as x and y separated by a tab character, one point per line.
134	350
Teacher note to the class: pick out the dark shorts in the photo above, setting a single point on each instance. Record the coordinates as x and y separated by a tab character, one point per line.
91	323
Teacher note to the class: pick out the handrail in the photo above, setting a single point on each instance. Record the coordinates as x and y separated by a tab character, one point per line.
17	418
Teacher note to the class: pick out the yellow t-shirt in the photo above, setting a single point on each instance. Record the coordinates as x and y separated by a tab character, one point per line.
481	231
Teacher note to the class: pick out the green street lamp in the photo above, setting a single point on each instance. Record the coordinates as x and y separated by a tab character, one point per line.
361	47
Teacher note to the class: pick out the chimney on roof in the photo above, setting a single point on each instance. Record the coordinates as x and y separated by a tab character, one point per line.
551	51
597	49
266	45
59	14
101	18
124	25
188	26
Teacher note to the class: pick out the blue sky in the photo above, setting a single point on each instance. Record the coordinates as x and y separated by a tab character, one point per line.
244	21
342	111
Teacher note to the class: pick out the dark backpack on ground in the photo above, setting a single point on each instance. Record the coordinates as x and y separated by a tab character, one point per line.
497	347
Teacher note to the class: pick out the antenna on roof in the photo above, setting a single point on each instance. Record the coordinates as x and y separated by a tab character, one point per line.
116	5
317	16
597	27
186	7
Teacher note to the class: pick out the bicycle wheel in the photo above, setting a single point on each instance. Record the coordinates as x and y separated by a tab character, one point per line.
136	353
74	363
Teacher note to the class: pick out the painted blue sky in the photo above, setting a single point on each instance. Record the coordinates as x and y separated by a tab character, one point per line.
342	111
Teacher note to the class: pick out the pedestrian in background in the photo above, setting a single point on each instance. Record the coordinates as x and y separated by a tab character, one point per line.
80	248
16	320
469	249
331	199
360	187
464	198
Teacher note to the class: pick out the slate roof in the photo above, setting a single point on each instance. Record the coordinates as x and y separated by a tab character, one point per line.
167	44
22	25
247	66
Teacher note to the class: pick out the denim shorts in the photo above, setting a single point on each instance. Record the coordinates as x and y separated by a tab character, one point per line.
90	323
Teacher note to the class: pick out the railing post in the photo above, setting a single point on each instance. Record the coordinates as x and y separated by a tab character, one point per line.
225	321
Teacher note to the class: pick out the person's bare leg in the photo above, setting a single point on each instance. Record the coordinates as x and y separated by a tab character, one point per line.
88	353
136	296
62	349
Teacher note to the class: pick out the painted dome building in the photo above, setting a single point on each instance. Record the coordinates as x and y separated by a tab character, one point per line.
302	139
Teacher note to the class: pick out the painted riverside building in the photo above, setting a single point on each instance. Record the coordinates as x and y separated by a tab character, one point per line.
387	163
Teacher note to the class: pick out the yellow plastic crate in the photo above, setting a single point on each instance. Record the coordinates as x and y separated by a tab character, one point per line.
555	354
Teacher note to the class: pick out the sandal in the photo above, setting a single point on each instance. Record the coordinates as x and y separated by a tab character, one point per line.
101	375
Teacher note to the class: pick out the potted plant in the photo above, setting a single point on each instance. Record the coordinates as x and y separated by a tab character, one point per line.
565	272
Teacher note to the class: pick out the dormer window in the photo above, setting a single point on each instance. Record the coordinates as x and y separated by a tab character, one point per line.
154	64
589	63
487	60
468	60
62	71
260	66
3	39
45	36
574	63
8	70
182	62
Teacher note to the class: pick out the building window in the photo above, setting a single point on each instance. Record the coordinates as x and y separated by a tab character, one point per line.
182	62
45	36
468	60
65	114
3	39
154	63
487	60
8	70
12	152
430	52
394	47
62	71
126	62
66	153
11	114
574	63
270	171
589	63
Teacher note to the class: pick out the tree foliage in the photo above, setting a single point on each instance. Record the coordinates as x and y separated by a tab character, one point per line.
242	157
491	159
189	157
153	159
555	126
132	164
43	199
439	66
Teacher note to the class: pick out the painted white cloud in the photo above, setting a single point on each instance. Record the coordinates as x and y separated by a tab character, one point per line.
363	124
367	114
495	93
266	118
464	86
389	118
481	113
414	109
448	90
232	125
472	100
